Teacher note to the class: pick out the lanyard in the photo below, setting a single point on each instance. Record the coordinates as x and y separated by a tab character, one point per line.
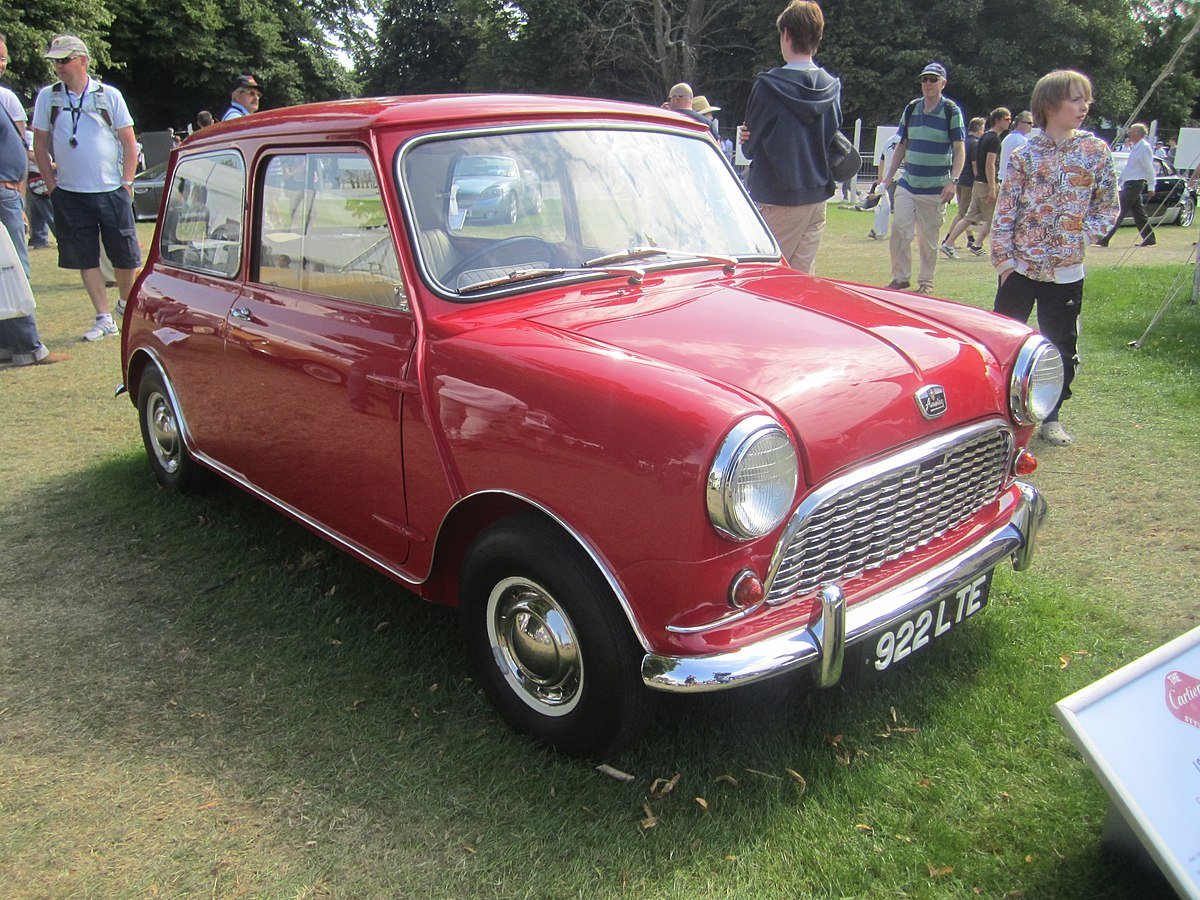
76	111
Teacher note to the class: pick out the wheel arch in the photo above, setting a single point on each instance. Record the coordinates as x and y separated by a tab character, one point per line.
471	516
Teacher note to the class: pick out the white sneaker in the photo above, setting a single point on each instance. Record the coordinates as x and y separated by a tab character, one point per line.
119	310
1054	433
947	251
102	326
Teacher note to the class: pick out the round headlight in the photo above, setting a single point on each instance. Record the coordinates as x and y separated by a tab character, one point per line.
752	481
1037	381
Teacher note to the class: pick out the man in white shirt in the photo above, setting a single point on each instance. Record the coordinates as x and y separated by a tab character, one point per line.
1137	176
1014	139
86	128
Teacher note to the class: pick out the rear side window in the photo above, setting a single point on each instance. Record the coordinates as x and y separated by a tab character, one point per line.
203	219
323	229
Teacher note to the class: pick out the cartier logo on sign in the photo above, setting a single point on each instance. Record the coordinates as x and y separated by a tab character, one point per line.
1183	697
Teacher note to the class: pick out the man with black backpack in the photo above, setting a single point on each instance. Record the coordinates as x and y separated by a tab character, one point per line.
931	150
86	128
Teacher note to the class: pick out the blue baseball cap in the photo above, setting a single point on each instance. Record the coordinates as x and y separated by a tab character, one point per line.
935	68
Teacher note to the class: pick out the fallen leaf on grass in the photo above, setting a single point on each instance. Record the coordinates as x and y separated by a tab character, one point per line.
335	642
702	803
355	704
209	805
1029	858
650	820
1064	661
469	848
606	769
764	774
864	828
728	779
660	787
1015	894
331	591
799	779
382	625
833	739
939	871
925	782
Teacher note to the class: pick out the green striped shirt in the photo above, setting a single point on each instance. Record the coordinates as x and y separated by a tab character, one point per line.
929	138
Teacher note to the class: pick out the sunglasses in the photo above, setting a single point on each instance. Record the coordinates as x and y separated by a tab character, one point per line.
930	79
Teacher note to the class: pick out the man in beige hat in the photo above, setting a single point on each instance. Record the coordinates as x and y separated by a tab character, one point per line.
704	109
86	128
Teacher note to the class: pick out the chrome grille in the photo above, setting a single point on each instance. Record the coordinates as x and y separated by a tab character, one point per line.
890	509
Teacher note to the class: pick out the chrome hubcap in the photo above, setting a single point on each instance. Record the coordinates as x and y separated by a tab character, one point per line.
535	647
164	433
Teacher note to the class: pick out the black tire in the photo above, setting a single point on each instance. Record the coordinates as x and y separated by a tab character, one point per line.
574	681
162	436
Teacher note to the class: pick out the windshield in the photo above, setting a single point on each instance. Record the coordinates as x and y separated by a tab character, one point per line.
569	202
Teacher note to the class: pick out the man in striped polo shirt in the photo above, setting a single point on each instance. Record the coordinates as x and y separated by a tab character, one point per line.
931	150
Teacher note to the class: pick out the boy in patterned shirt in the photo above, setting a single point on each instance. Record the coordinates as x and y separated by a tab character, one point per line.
1060	192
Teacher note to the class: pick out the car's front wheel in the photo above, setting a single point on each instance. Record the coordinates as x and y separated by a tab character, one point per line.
1187	211
162	435
548	641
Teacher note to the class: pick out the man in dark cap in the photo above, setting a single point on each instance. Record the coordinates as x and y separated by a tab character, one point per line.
932	153
244	97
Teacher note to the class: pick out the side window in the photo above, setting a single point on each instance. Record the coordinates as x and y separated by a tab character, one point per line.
323	229
202	222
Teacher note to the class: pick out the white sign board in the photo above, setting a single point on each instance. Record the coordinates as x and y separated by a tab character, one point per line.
1139	730
1187	153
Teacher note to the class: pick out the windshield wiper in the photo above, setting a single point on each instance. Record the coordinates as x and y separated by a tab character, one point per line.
516	276
726	262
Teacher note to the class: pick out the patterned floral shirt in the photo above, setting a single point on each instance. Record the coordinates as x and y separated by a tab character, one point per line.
1053	200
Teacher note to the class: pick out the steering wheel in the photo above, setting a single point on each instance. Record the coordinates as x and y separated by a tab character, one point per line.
543	248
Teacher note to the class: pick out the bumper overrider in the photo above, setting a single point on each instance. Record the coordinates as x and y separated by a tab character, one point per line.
824	643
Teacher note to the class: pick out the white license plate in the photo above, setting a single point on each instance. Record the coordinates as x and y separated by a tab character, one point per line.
916	632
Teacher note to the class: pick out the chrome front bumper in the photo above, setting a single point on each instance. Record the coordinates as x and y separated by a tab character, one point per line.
825	641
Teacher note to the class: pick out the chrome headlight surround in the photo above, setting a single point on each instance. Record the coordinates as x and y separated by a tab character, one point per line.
1037	380
752	480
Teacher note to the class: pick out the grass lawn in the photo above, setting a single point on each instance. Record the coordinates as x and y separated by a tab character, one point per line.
198	697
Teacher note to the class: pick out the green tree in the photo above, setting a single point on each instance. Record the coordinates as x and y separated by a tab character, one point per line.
172	59
31	26
422	46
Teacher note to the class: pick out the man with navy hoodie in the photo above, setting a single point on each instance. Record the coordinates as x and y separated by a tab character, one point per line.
791	117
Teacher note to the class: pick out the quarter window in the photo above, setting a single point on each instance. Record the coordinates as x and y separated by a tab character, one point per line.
202	221
324	230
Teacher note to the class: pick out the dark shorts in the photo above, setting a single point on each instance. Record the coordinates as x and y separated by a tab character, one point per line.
83	220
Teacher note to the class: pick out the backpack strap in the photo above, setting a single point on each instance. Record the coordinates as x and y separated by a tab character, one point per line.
58	97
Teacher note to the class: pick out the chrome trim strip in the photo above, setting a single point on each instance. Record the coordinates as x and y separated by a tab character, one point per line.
911	456
804	646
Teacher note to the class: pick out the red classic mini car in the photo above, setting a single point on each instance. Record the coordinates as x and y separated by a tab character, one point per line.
639	452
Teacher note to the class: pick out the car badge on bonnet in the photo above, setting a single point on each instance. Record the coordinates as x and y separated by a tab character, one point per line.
931	400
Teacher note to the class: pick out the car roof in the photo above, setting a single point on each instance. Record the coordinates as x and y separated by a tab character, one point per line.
432	112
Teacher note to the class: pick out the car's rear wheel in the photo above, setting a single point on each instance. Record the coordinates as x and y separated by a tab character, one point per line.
162	435
548	641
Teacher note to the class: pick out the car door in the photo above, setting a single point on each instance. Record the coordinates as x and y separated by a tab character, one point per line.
187	295
318	348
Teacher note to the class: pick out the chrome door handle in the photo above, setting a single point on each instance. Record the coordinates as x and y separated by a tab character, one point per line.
240	312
